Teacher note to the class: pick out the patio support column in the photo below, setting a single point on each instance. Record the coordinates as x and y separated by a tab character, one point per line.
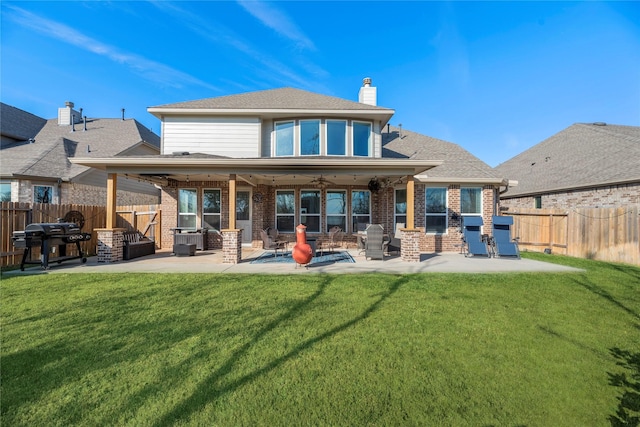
232	201
231	246
112	183
410	247
110	239
410	203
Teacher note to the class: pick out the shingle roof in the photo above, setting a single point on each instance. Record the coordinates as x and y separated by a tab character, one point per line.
582	155
283	98
458	163
18	124
48	155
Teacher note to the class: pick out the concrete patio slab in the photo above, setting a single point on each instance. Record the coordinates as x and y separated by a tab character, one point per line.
211	262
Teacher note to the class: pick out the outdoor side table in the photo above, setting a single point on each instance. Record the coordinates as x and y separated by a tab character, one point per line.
183	249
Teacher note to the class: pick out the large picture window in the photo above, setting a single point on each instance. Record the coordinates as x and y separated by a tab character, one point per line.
284	139
401	206
211	209
360	208
336	209
336	137
309	137
187	208
361	138
310	210
285	210
42	194
436	210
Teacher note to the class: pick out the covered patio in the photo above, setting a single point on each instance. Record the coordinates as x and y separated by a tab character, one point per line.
257	177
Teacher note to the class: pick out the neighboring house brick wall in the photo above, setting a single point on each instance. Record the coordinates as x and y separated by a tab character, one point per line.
81	194
602	197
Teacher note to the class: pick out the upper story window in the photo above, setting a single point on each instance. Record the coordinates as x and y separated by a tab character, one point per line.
309	137
284	138
42	194
361	138
336	137
330	137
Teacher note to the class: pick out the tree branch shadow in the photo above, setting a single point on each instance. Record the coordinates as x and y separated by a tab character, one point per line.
628	383
208	390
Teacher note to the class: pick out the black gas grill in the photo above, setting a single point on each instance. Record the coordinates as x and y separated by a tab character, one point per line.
49	236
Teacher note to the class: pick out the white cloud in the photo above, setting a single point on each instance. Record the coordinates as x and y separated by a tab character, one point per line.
278	21
146	68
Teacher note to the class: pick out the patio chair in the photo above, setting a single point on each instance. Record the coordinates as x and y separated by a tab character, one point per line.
336	235
395	241
472	235
270	244
503	244
374	246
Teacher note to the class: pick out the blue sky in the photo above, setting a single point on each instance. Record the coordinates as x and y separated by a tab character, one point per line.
493	77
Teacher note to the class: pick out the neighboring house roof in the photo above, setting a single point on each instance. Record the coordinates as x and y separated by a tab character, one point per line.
17	124
48	155
581	156
458	165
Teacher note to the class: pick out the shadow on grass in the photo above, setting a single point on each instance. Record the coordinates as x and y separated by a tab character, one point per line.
599	291
628	383
209	390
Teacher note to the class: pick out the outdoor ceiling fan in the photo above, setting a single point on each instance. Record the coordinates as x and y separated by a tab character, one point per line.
321	181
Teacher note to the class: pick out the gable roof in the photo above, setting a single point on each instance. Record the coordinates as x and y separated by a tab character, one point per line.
48	155
17	124
580	156
458	165
275	103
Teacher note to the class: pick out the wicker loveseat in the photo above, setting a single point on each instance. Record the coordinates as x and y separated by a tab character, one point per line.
137	245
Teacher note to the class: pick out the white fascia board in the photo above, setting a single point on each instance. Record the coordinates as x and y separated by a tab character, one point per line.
458	180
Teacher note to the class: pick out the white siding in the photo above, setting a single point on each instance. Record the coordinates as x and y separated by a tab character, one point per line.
228	136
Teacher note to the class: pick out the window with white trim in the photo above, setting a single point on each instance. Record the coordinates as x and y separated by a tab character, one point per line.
212	209
5	191
309	137
471	201
361	132
285	210
187	208
42	194
310	210
435	210
284	138
400	209
336	137
336	209
360	208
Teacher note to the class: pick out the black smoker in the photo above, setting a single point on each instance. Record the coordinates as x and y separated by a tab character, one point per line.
47	236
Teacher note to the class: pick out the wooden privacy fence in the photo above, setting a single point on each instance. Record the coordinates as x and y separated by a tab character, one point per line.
606	234
16	216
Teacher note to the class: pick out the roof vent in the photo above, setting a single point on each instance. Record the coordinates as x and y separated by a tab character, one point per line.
599	124
180	153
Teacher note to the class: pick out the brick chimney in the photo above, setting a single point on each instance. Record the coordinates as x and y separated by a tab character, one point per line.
368	94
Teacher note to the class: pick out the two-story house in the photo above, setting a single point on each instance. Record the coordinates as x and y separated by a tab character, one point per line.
281	157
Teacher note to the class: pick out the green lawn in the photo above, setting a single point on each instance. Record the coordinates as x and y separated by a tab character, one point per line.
350	350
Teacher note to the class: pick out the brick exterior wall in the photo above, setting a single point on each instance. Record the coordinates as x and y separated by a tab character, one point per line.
410	248
82	194
601	197
382	212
